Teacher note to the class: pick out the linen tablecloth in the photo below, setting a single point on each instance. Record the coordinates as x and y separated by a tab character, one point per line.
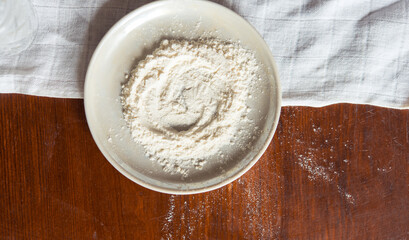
328	51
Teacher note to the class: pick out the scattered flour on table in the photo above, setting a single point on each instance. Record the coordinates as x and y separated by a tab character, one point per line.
186	100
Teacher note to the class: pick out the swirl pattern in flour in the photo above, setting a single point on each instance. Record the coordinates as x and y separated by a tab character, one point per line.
185	101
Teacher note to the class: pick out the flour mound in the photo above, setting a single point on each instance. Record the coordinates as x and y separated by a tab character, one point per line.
185	101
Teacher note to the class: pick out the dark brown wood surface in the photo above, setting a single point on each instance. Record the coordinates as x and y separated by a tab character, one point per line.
339	172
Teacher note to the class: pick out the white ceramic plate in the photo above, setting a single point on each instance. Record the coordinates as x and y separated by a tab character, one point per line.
136	35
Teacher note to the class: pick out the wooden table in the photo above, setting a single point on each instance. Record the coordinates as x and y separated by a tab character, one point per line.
339	172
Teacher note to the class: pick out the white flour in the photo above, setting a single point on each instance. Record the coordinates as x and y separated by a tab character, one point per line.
185	101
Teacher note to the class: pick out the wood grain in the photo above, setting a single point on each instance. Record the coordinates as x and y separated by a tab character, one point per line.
339	172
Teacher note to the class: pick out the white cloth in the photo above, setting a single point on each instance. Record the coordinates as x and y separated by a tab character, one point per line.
327	51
